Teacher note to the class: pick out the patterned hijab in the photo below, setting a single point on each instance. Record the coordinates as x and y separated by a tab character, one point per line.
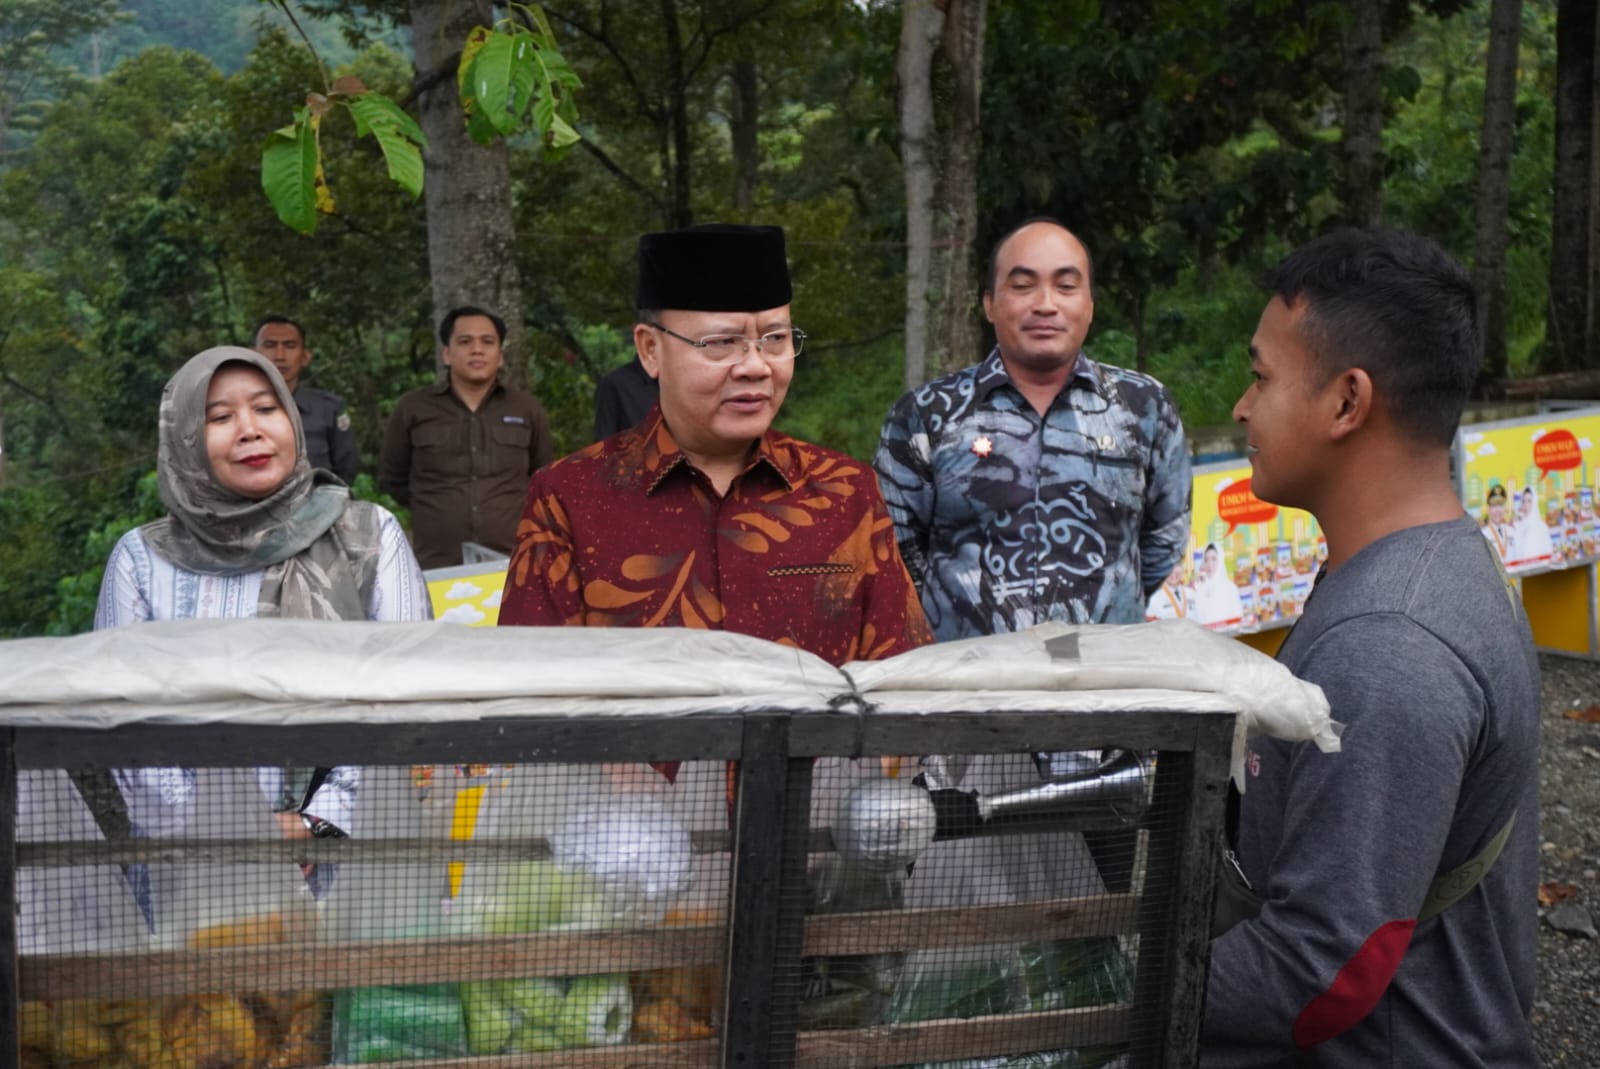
319	549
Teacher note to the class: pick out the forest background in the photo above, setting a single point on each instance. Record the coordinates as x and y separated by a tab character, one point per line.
1190	143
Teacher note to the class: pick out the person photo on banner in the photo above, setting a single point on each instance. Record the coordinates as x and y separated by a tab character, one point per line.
1171	600
1530	538
1216	600
1495	528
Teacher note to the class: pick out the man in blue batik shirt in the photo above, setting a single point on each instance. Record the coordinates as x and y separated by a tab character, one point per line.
1038	484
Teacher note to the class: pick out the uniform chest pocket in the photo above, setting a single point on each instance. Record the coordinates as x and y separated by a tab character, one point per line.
440	436
511	435
508	447
825	590
440	449
1120	476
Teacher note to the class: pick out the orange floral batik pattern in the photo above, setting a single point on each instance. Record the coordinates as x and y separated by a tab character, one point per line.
801	550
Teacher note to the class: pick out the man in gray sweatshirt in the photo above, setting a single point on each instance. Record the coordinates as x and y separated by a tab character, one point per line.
1362	955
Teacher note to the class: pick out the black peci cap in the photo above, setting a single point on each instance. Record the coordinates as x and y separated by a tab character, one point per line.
715	267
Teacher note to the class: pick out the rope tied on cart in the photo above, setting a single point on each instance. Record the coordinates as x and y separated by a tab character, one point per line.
861	706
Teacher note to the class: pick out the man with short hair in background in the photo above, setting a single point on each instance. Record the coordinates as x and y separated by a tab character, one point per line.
1399	875
330	443
458	453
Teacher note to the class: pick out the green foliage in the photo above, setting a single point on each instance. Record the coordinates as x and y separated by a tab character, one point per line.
35	37
290	167
840	394
397	134
514	73
291	160
77	592
509	74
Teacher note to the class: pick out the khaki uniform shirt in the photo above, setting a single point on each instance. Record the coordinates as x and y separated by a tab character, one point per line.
463	474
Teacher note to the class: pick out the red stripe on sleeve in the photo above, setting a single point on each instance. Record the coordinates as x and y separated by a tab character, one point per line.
1358	987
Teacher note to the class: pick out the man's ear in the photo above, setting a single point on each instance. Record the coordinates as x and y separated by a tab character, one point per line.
1352	399
988	307
646	342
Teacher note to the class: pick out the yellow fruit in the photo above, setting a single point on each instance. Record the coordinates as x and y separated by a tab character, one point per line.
140	1040
666	1021
264	930
36	1030
118	1011
209	1032
76	1035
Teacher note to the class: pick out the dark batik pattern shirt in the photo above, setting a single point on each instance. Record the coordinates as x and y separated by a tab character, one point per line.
1007	519
800	550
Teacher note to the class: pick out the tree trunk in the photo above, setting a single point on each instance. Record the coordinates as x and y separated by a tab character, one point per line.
1494	183
471	228
745	128
1567	330
920	24
957	213
1363	113
680	179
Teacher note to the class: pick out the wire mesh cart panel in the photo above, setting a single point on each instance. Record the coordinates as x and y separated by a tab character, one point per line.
783	877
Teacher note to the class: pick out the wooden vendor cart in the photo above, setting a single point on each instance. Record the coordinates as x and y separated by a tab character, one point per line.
590	848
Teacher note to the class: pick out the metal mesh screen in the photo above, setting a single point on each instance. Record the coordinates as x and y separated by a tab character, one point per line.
1009	941
485	910
1002	910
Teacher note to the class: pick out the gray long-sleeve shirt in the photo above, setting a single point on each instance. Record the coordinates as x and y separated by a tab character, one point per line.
1420	643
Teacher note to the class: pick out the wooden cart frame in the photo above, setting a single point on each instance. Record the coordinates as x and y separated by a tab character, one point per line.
766	932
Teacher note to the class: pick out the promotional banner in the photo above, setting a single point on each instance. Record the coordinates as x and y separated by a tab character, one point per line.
1530	485
467	593
1250	564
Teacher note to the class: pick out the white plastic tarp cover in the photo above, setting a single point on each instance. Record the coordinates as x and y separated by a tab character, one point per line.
281	671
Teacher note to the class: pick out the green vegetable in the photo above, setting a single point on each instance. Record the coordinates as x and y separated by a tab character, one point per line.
598	1012
384	1023
537	1002
490	1021
535	896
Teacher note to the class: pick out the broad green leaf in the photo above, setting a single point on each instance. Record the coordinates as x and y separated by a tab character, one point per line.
469	52
544	112
546	35
289	165
502	79
556	69
480	129
373	110
559	138
405	162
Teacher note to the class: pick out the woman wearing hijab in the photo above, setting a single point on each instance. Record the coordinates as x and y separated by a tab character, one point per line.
252	530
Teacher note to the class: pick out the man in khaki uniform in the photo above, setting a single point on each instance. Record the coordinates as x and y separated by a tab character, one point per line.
458	453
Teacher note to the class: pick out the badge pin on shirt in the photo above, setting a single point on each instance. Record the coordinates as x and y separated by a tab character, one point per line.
982	446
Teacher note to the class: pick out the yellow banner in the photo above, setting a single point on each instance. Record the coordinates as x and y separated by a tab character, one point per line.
1530	485
1250	564
467	594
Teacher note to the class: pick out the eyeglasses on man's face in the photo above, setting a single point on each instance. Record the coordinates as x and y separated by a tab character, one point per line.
774	345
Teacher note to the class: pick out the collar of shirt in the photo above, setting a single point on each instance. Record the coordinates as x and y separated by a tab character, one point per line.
992	375
655	451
